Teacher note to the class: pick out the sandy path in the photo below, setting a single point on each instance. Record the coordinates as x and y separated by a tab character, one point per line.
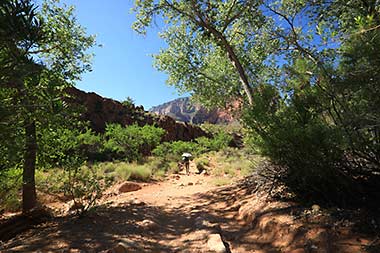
179	214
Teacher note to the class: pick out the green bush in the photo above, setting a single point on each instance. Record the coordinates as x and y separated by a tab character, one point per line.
11	184
131	142
122	171
174	150
141	173
302	140
202	163
84	187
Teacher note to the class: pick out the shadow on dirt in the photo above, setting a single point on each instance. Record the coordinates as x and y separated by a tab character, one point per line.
246	223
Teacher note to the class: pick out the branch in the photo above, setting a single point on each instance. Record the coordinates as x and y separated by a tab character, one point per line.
228	22
223	43
46	50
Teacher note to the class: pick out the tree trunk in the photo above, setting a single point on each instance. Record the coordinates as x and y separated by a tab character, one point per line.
29	196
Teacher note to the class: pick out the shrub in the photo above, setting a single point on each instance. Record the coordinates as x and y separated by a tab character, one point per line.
9	189
202	163
122	171
140	173
84	187
303	141
131	142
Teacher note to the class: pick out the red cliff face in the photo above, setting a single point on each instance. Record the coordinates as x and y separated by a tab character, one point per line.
99	111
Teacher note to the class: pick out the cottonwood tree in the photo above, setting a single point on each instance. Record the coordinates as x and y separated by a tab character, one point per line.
306	70
42	51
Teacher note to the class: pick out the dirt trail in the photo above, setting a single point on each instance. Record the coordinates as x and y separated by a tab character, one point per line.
179	215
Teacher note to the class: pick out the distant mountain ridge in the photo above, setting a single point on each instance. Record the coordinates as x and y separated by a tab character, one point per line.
184	110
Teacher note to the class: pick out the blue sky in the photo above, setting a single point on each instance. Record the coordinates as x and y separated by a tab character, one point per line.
123	67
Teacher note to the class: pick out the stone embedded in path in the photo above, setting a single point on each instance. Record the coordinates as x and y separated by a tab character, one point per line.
129	187
148	224
120	248
201	223
215	243
125	246
137	202
176	177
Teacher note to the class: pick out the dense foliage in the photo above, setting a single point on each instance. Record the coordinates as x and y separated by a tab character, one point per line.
305	72
131	142
172	151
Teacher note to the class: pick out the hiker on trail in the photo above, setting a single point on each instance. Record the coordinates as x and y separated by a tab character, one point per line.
186	162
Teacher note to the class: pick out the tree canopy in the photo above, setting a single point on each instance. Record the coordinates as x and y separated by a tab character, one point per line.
42	51
304	71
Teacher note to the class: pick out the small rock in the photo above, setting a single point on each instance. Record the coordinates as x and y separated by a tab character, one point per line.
190	183
299	250
148	224
315	208
136	202
195	211
75	251
199	222
129	187
215	243
175	176
120	248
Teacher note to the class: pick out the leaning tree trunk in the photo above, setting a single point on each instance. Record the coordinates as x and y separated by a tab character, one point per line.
29	196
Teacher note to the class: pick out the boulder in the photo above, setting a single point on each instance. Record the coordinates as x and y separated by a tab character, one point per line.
129	187
215	243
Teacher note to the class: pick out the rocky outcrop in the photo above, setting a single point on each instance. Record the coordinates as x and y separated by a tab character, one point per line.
182	109
99	111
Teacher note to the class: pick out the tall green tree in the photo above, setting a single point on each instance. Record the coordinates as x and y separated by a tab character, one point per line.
305	69
42	51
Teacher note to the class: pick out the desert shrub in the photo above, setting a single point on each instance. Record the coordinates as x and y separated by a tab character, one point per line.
84	187
11	183
51	180
122	171
202	163
140	173
108	167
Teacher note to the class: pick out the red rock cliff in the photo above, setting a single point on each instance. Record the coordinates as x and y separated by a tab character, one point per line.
99	111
